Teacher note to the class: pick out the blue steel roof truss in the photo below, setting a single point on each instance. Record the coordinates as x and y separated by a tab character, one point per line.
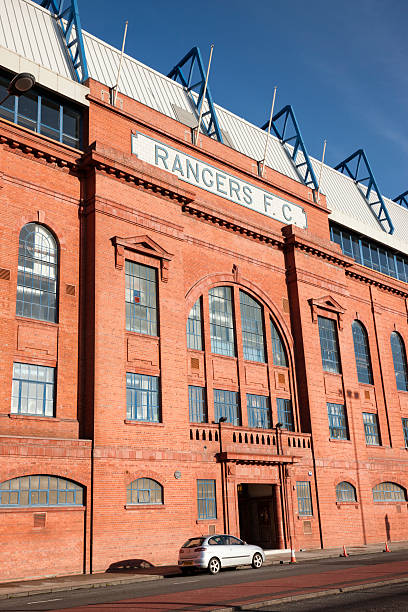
67	16
286	128
358	168
184	71
402	199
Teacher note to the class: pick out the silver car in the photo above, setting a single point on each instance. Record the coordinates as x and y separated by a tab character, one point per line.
218	551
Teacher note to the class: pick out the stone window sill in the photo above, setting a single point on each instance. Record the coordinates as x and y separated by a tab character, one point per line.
149	423
145	507
42	508
34	417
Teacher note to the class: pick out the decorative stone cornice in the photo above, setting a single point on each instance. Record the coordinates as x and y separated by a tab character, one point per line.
359	274
38	146
205	213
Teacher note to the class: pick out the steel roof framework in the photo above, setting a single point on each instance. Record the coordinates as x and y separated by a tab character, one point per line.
286	128
358	168
67	15
402	199
184	70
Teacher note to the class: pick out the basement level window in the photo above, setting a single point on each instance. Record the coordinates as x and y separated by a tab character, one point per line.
43	113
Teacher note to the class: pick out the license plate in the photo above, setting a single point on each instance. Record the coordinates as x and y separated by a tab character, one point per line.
187	563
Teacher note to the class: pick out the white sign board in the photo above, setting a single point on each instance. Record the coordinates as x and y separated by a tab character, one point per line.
203	175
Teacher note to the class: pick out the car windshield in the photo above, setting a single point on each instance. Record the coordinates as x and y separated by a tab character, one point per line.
192	542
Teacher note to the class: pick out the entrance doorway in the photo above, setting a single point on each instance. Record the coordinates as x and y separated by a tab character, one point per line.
257	514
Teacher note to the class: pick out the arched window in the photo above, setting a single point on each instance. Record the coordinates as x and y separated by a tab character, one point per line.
400	361
388	492
362	354
40	490
252	328
194	327
37	274
278	350
144	491
345	492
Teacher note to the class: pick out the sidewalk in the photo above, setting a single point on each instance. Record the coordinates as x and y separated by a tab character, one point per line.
66	583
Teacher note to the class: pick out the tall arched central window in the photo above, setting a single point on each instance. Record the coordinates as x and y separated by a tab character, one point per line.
37	274
400	361
362	354
253	343
221	321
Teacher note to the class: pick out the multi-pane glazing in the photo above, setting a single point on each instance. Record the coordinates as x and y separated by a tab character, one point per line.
285	413
43	114
226	405
362	354
371	432
304	498
40	490
206	501
141	299
278	351
252	328
337	421
345	492
388	492
405	430
329	345
37	274
221	321
144	491
259	411
142	397
371	254
197	404
32	390
194	327
399	358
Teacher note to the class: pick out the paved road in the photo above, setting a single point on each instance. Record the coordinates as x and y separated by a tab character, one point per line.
392	598
238	588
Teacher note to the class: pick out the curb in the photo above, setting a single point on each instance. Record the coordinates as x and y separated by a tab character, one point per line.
85	585
314	595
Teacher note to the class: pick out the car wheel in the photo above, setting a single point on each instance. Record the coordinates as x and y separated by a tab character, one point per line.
214	566
257	561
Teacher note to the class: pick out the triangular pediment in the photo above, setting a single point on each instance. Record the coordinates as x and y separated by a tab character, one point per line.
328	303
143	244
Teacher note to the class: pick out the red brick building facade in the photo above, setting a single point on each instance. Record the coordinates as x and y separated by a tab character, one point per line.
282	327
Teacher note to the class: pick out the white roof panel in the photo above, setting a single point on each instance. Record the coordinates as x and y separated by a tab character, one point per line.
32	32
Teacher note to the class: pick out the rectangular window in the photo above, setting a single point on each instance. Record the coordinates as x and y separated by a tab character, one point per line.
259	412
226	405
42	113
194	327
370	253
304	498
405	430
221	321
285	413
197	404
142	398
372	435
252	329
206	500
141	299
329	345
337	421
33	390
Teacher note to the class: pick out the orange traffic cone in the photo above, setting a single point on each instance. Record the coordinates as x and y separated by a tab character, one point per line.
292	556
386	549
344	553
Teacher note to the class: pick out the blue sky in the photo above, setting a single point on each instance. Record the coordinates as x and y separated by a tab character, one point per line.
341	65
